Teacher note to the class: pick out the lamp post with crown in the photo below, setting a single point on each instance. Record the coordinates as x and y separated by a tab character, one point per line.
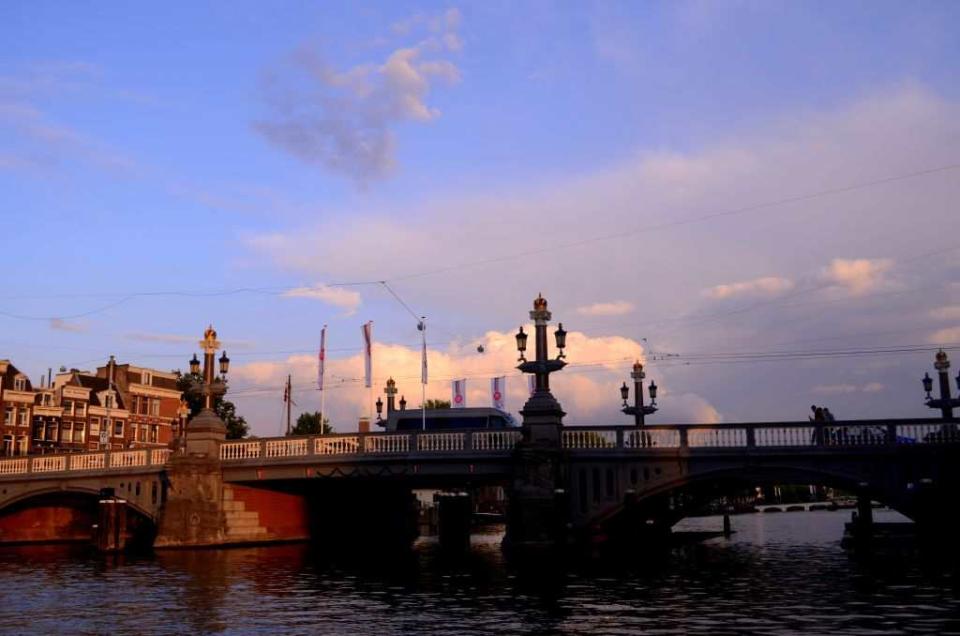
945	402
542	408
391	392
639	411
205	430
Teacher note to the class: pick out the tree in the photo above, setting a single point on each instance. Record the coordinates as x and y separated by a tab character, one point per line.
436	404
309	424
237	427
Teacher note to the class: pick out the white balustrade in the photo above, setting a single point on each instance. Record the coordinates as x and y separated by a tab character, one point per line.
720	437
97	461
440	441
850	435
390	443
589	439
13	466
652	439
946	433
495	440
296	447
128	459
239	450
779	436
48	463
159	456
341	445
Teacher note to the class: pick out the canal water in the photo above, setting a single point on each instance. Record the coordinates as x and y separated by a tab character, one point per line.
778	574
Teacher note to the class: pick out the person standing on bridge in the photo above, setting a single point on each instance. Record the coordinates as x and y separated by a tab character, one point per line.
818	415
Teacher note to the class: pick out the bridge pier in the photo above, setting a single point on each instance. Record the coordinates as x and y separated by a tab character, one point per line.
110	531
455	511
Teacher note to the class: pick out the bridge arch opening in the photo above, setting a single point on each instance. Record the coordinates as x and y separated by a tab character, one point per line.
65	516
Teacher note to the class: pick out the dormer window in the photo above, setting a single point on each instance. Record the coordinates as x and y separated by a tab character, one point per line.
146	378
19	383
108	401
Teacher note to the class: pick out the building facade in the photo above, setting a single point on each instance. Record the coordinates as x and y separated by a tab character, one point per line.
116	407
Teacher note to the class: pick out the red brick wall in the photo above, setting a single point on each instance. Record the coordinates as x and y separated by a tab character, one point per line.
283	515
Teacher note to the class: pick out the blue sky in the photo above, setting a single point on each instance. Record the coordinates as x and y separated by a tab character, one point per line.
199	147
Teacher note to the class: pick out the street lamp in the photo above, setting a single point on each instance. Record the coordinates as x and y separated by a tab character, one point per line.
945	402
541	405
207	385
379	409
639	411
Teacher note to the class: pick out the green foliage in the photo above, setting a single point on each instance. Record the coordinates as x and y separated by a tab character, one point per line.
237	426
309	424
436	404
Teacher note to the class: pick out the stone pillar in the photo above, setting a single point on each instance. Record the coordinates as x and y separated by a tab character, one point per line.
110	533
193	514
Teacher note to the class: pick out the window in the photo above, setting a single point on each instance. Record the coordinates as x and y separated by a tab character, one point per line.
108	401
81	409
8	416
22	445
118	428
52	430
24	418
38	429
68	407
94	427
153	433
78	432
19	383
66	431
155	407
133	430
146	377
8	444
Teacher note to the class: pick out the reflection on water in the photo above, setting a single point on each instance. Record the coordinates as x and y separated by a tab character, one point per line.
778	574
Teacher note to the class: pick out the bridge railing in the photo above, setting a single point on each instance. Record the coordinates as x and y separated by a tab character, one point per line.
79	462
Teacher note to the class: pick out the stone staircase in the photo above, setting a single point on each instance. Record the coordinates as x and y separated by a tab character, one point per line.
242	525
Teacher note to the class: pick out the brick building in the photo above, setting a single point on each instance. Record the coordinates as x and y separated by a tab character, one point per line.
118	406
16	407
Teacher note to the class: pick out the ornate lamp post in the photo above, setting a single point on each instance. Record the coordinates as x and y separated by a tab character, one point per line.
945	402
205	430
639	411
542	407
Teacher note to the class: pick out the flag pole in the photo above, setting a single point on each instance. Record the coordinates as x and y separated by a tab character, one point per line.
323	356
423	373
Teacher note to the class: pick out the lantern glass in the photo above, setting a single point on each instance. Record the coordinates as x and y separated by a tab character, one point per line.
561	336
403	403
195	365
224	364
521	340
379	406
653	390
624	391
927	382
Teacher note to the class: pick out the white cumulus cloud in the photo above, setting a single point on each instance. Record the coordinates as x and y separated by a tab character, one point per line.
615	308
346	299
858	275
766	286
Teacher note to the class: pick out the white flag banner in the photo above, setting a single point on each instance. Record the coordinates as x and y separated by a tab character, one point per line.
321	357
423	364
498	391
368	354
459	400
532	384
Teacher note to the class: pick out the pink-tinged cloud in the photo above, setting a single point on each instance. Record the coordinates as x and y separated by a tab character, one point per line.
614	308
346	299
858	276
766	286
843	389
951	312
946	336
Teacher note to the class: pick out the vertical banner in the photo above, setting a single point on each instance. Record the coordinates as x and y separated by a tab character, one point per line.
368	354
423	363
498	390
532	384
321	357
459	400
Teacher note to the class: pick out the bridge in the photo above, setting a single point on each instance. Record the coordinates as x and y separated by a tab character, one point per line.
563	482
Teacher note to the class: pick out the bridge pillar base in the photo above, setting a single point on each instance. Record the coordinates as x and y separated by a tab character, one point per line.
454	511
110	533
536	516
193	514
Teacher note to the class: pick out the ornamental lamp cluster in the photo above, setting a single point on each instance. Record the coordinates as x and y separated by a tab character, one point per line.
207	383
946	403
639	410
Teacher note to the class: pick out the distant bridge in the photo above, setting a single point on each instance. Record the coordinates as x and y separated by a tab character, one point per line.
295	487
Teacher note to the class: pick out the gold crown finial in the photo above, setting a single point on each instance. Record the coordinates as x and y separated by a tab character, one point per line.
637	366
210	333
540	303
941	356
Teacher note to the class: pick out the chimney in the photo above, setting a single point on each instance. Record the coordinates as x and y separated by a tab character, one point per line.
49	377
364	425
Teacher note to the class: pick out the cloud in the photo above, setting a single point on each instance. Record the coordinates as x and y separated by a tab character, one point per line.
59	324
344	120
615	308
858	276
588	388
843	389
951	312
766	286
346	299
945	336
